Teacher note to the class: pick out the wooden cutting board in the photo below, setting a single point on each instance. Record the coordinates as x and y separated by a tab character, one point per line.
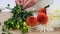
5	16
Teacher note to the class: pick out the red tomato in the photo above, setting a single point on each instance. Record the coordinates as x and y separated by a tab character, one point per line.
31	21
42	10
42	18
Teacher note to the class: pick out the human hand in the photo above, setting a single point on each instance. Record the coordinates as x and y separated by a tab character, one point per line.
26	3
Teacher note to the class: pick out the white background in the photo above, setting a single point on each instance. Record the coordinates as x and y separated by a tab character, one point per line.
3	3
41	3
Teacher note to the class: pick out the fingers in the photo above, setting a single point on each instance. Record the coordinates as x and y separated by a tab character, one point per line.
29	4
18	2
25	1
22	1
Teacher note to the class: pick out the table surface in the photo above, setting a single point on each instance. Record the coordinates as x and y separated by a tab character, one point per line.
5	16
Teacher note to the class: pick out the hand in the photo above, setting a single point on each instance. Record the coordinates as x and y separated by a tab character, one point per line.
26	3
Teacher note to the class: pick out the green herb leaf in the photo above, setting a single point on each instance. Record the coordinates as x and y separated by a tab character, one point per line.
9	33
3	33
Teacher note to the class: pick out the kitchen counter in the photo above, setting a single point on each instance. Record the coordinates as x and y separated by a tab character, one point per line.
5	16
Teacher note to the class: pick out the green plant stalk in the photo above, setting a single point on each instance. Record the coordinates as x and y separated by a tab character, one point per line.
19	15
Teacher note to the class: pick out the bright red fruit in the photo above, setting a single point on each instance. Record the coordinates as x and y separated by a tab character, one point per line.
42	18
42	10
31	21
